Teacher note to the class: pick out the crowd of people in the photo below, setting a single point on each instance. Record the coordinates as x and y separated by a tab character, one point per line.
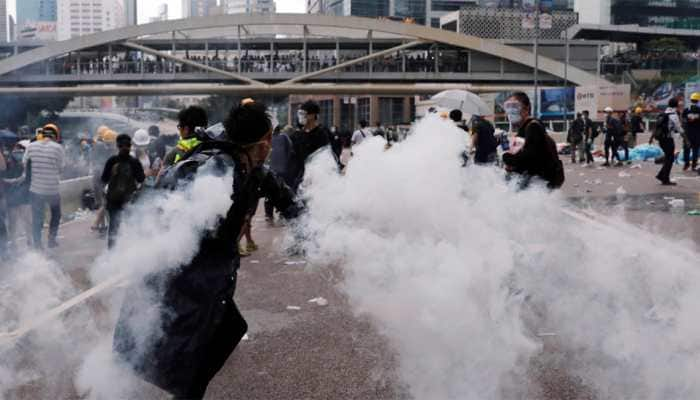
130	63
666	60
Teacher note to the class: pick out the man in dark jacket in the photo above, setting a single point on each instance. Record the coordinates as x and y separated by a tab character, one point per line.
576	138
123	173
691	124
484	141
198	324
538	156
614	135
590	133
306	141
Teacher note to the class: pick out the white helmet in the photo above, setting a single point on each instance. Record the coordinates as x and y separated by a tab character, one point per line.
608	109
141	138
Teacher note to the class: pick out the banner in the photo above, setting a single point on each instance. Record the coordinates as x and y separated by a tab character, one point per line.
557	103
596	98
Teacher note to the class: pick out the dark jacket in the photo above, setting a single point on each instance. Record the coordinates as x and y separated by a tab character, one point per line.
282	157
577	133
691	122
486	142
199	323
636	124
538	157
305	144
614	128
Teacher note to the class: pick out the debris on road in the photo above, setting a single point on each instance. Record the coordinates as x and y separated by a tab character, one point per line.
319	301
255	261
694	213
624	174
677	203
294	262
293	308
621	192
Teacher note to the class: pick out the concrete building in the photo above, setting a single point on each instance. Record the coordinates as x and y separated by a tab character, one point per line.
593	11
504	23
425	12
132	16
36	19
83	18
3	20
198	8
162	14
248	6
12	28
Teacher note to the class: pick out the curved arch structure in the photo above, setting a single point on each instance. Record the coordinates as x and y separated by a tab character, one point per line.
410	31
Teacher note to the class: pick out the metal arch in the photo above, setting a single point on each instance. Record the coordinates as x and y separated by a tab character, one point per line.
417	32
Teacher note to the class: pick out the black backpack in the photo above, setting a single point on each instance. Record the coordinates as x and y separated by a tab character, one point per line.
661	131
122	183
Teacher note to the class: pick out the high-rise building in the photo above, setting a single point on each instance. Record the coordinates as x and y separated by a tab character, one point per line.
249	6
198	8
3	20
132	15
12	27
162	13
593	11
36	19
84	18
422	11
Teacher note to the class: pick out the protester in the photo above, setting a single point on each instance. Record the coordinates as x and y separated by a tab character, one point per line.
189	120
361	134
151	166
624	140
157	146
538	156
613	137
311	137
16	183
636	127
103	148
483	141
4	237
576	139
667	124
691	123
590	133
122	174
199	324
379	131
47	162
336	142
281	158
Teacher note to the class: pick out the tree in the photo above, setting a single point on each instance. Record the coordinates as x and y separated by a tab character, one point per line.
32	111
666	45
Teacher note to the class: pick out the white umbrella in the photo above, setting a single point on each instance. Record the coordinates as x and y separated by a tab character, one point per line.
467	102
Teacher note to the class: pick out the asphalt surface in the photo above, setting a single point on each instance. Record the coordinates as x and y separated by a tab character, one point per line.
297	349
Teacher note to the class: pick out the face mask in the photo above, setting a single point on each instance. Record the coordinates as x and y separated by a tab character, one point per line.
302	117
18	155
513	110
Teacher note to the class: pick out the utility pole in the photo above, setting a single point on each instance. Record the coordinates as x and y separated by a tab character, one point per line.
566	80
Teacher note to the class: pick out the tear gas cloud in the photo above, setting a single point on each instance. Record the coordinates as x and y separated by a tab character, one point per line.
463	274
161	232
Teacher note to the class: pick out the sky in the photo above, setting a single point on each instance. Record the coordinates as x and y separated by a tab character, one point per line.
149	8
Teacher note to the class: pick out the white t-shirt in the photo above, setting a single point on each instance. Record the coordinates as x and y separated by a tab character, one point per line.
359	136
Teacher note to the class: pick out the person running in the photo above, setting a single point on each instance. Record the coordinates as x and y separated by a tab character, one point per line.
691	123
636	126
198	322
667	124
122	174
47	159
103	148
17	191
280	161
538	157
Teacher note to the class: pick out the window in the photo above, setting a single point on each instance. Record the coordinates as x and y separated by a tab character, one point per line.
363	109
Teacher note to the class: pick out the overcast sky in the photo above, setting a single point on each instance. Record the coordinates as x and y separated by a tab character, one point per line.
149	8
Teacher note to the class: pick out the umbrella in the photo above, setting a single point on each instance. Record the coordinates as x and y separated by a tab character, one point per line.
8	137
468	102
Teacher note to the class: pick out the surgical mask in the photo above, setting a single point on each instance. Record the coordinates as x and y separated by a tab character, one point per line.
18	155
302	117
514	110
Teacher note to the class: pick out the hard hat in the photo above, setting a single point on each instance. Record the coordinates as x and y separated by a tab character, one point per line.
51	127
141	138
608	109
99	133
695	96
638	110
109	136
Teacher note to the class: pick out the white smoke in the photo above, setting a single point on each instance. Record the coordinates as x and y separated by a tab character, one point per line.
472	280
160	232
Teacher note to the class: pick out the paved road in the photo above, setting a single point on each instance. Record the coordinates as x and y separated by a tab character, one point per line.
326	352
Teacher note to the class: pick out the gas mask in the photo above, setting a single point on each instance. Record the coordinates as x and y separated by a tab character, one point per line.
514	110
302	117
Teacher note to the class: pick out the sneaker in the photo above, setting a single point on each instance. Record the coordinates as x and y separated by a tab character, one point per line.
242	251
619	164
251	247
669	183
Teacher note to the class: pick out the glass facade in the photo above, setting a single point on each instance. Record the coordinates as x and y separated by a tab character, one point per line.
36	10
415	9
668	13
369	8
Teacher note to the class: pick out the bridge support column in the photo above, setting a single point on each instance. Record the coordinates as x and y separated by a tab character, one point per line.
305	51
370	51
406	109
374	113
337	109
239	49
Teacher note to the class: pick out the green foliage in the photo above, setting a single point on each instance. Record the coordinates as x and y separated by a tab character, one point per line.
31	111
666	45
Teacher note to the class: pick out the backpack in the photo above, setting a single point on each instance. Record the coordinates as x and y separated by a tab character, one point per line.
661	130
122	183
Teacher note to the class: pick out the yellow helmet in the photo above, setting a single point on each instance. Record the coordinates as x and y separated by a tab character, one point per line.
99	133
638	110
109	136
695	96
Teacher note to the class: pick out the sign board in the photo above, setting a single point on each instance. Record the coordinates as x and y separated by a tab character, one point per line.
596	98
37	30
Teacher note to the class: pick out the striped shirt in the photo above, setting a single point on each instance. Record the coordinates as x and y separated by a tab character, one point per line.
46	158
